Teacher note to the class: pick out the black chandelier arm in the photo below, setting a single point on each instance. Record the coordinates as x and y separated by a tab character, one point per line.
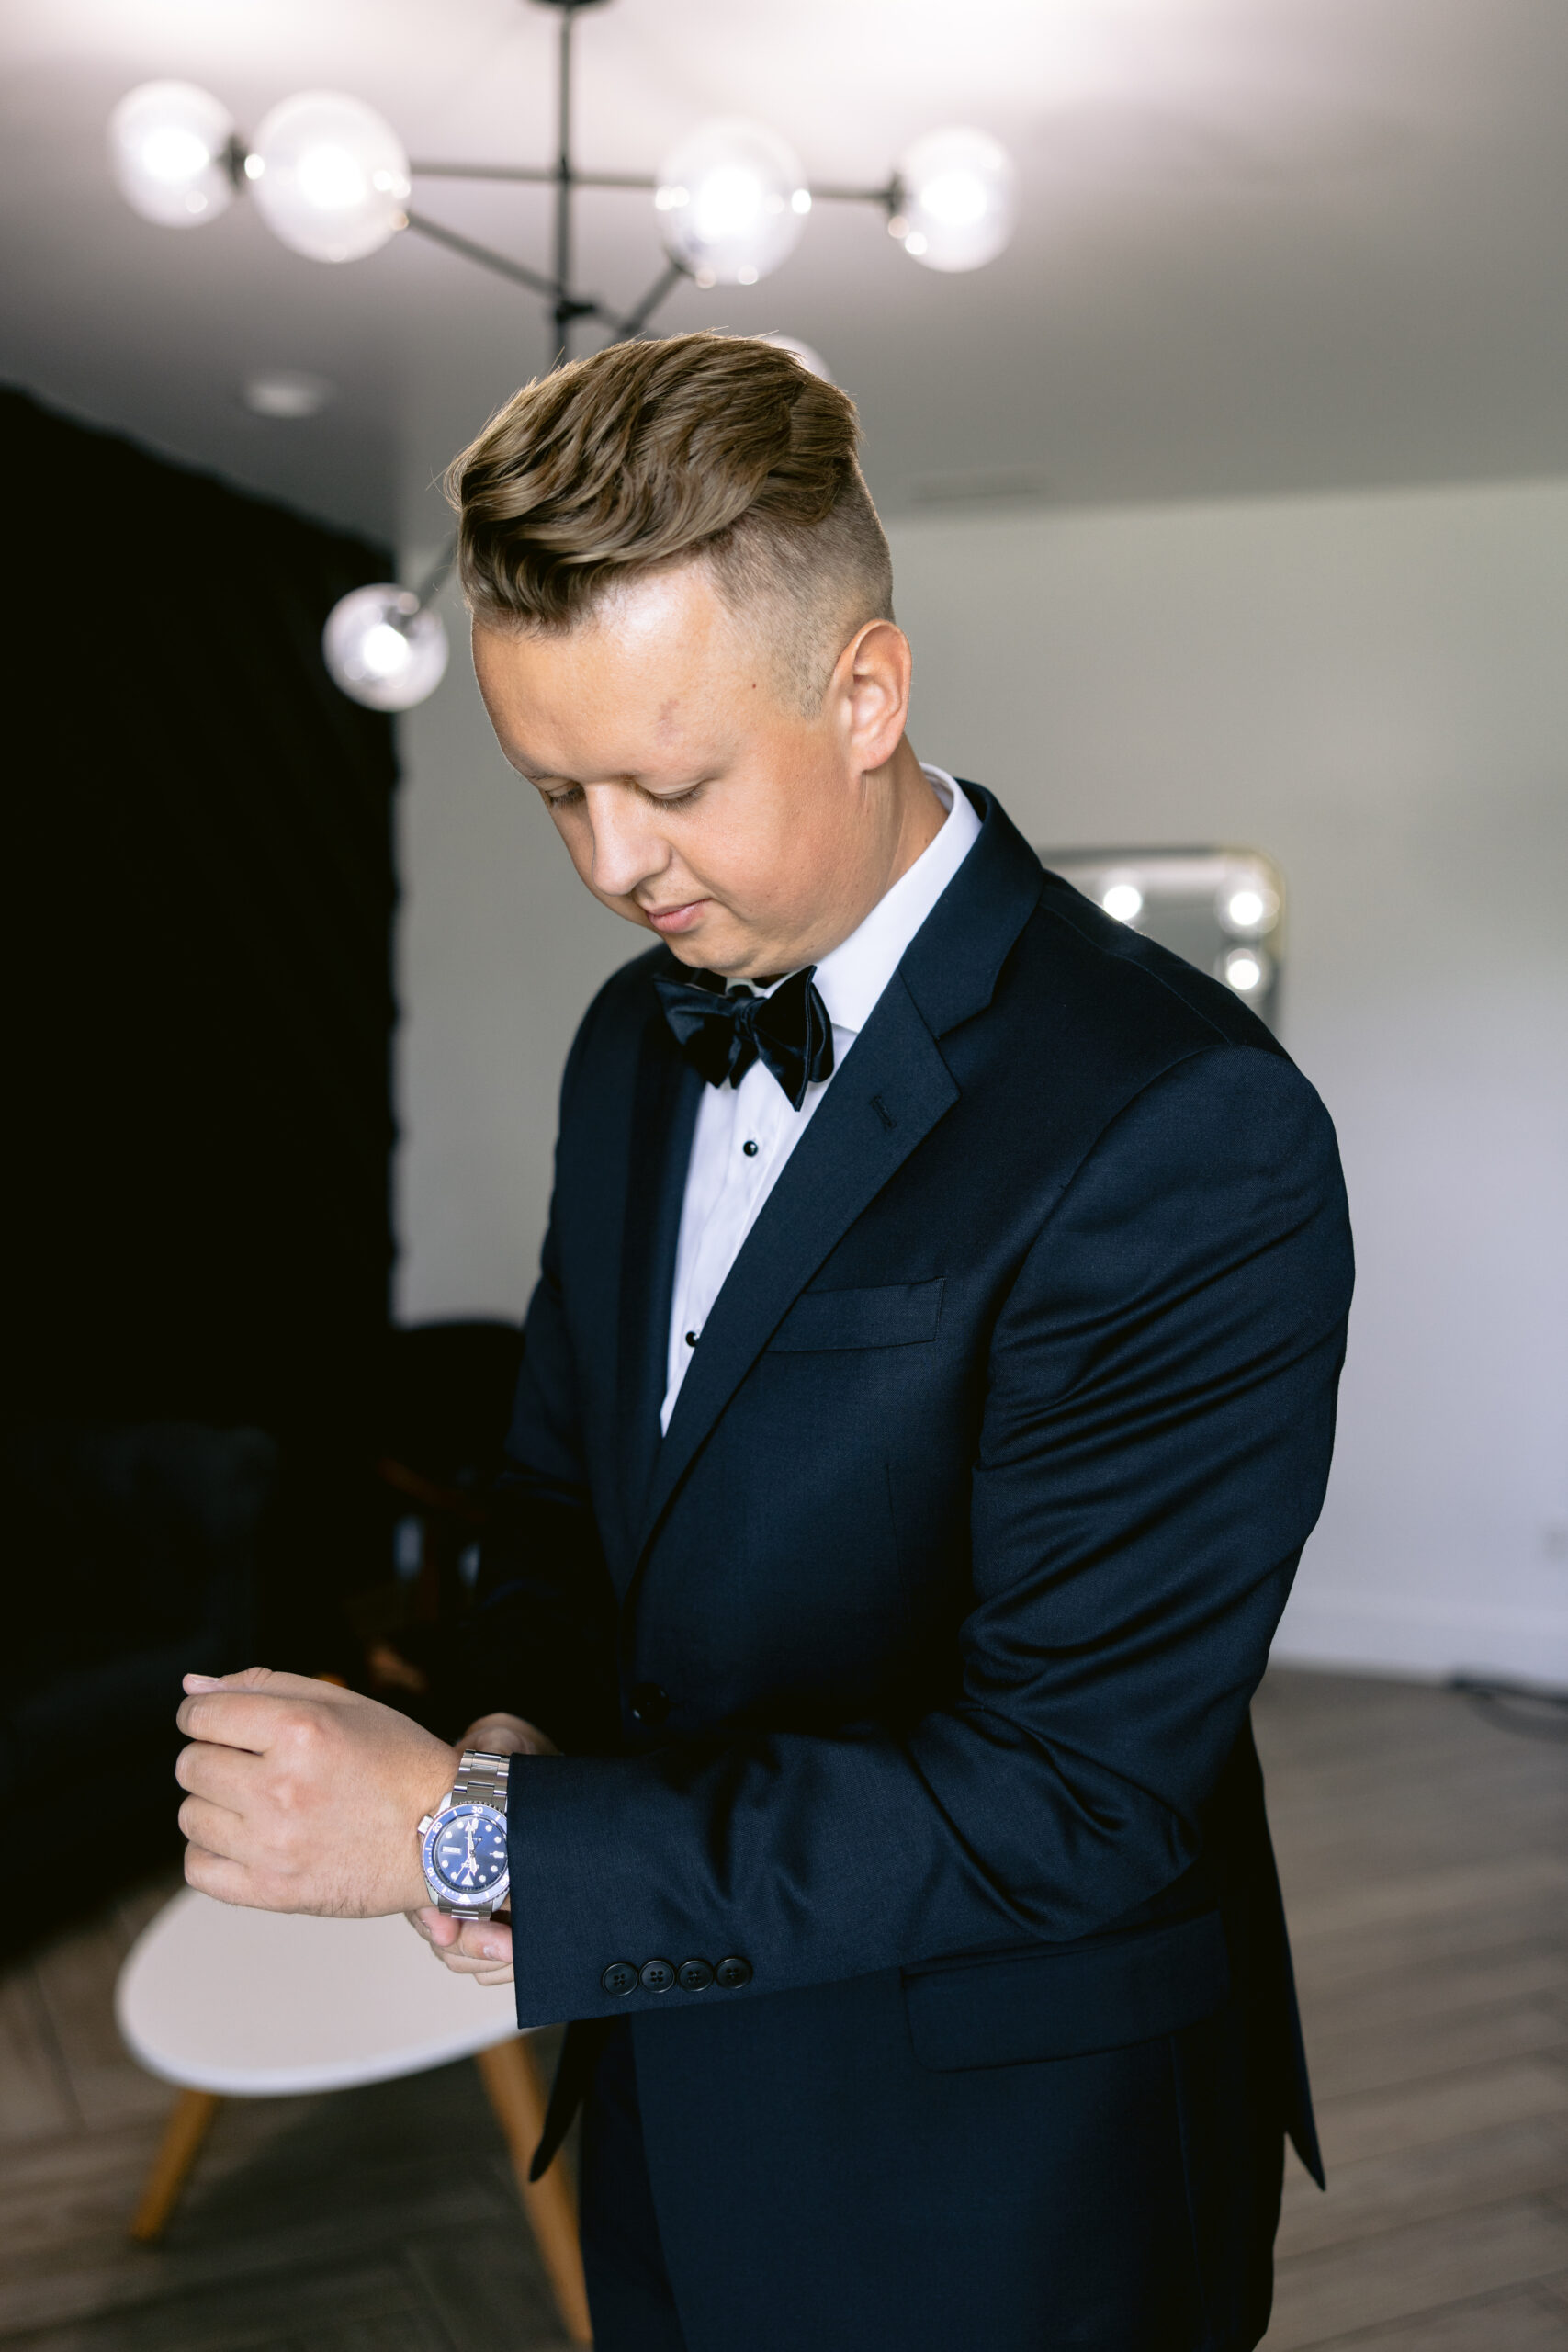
886	197
486	256
565	311
532	175
889	197
629	329
566	306
436	577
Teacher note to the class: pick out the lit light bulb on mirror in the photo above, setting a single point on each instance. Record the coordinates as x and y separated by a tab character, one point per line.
957	199
731	202
1123	900
384	647
1247	905
1247	970
330	178
170	145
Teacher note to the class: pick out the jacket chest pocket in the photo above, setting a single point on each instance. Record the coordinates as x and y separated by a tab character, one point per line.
893	1315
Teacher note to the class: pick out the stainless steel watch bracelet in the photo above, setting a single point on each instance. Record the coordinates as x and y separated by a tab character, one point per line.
481	1779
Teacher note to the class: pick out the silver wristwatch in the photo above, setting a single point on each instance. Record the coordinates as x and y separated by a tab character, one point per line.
462	1842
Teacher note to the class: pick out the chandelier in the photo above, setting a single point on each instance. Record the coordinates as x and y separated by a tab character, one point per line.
333	180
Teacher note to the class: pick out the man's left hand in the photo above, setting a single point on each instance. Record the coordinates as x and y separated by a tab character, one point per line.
304	1797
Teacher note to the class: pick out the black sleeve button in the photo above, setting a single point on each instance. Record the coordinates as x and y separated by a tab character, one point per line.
651	1705
619	1977
658	1976
694	1977
733	1972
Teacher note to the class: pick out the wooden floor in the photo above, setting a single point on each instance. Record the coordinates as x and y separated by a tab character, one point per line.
1425	1853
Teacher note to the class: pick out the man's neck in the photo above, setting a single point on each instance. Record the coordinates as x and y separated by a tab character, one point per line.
920	813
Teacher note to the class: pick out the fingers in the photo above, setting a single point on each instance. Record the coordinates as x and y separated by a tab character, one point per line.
233	1718
223	1775
503	1735
468	1947
225	1881
256	1709
274	1683
220	1707
437	1928
213	1827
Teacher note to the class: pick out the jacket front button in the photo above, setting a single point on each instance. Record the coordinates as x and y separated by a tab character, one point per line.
619	1977
650	1703
694	1975
733	1972
658	1976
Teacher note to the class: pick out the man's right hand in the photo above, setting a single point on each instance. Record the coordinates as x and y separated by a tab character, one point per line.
483	1949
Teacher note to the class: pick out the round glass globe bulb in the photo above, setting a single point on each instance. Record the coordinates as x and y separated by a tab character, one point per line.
384	647
808	358
959	198
168	142
731	203
333	177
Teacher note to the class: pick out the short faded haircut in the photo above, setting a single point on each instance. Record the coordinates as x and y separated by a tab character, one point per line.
702	447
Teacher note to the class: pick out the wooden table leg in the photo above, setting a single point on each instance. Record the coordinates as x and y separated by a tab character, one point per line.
517	2096
183	2134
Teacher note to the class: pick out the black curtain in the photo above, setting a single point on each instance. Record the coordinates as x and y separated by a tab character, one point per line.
198	931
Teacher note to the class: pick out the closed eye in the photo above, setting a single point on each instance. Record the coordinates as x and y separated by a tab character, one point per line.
568	796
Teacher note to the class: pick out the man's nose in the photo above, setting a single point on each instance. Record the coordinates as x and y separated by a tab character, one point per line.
627	850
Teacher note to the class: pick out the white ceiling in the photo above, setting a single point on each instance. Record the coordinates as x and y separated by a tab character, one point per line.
1266	245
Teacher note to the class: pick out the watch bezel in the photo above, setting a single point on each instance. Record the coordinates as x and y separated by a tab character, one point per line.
486	1898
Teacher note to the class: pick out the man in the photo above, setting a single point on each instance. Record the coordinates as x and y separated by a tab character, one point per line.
927	1394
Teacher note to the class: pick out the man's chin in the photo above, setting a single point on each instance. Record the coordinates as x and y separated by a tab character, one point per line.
715	945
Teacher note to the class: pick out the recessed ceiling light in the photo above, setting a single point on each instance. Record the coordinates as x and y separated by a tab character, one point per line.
284	392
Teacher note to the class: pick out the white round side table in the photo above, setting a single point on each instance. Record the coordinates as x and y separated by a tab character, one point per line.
234	2004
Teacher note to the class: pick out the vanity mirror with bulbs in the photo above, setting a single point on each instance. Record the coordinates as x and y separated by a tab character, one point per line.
1223	910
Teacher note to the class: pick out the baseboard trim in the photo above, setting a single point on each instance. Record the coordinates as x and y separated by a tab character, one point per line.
1393	1633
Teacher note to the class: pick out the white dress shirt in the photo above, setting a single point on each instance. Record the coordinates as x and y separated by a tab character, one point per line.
745	1132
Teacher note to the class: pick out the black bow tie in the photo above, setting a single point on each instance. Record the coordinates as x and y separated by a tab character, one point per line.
788	1032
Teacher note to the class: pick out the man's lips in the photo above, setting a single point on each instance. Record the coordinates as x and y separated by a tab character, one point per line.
673	919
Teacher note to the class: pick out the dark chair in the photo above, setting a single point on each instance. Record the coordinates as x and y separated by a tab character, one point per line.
133	1553
445	1400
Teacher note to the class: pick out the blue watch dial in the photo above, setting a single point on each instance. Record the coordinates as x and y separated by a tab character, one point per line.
468	1850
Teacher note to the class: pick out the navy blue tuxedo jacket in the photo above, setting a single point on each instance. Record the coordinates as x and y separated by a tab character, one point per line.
908	1673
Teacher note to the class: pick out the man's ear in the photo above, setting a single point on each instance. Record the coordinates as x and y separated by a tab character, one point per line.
871	679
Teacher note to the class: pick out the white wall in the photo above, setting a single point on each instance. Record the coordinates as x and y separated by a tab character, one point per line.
1372	688
500	948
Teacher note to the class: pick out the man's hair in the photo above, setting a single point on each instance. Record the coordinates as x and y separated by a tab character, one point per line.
702	447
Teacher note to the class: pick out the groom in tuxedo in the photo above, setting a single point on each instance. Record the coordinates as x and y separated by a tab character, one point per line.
927	1394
